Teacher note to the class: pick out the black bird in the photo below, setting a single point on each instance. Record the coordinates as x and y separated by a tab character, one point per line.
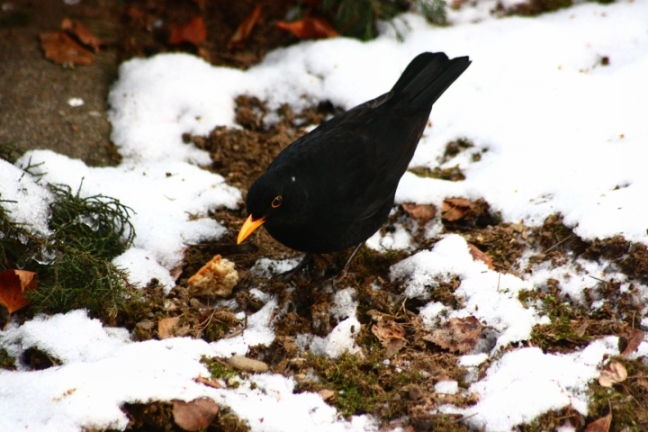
334	187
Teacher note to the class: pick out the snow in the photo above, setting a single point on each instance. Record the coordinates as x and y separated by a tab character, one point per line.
76	102
170	200
341	340
489	296
25	202
345	303
265	267
399	239
529	381
446	387
102	369
557	131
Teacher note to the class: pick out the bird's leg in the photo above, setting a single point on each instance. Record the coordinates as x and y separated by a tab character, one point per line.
343	273
305	262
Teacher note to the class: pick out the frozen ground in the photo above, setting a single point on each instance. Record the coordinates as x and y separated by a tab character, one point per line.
562	133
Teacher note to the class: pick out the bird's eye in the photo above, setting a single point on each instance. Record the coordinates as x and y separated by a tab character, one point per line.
276	202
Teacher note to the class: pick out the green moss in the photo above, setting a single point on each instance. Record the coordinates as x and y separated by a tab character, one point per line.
628	400
362	385
73	265
354	380
6	361
218	369
568	323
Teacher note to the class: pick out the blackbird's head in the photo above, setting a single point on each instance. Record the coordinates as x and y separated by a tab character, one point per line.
275	198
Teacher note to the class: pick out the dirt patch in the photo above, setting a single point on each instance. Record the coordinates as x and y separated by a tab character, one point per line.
242	154
149	25
158	417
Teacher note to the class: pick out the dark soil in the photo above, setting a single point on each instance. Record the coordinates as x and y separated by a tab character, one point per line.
34	113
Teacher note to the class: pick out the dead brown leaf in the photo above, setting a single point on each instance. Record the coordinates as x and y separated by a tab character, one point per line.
455	209
600	425
62	49
81	32
217	278
195	415
13	285
244	29
422	213
309	28
634	341
166	327
614	373
480	256
457	335
193	32
391	335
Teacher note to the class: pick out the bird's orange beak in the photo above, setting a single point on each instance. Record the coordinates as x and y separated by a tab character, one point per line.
248	228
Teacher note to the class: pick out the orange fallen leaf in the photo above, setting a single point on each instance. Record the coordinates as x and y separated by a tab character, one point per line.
480	256
309	28
195	415
13	285
192	31
244	29
600	425
62	49
634	341
421	213
457	335
81	32
455	209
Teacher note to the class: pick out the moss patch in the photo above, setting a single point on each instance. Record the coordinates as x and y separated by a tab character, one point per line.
6	361
73	266
627	400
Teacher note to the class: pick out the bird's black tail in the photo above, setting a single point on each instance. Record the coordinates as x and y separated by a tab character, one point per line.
427	77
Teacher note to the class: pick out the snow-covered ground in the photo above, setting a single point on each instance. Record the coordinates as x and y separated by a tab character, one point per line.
563	133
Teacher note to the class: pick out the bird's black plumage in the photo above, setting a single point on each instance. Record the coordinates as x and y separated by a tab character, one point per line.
334	187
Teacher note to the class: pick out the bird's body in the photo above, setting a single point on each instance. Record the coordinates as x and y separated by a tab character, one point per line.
334	187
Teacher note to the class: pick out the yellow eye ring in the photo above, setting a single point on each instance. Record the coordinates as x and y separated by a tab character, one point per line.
276	202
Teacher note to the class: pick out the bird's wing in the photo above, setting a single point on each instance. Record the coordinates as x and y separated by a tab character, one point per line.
363	168
365	151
